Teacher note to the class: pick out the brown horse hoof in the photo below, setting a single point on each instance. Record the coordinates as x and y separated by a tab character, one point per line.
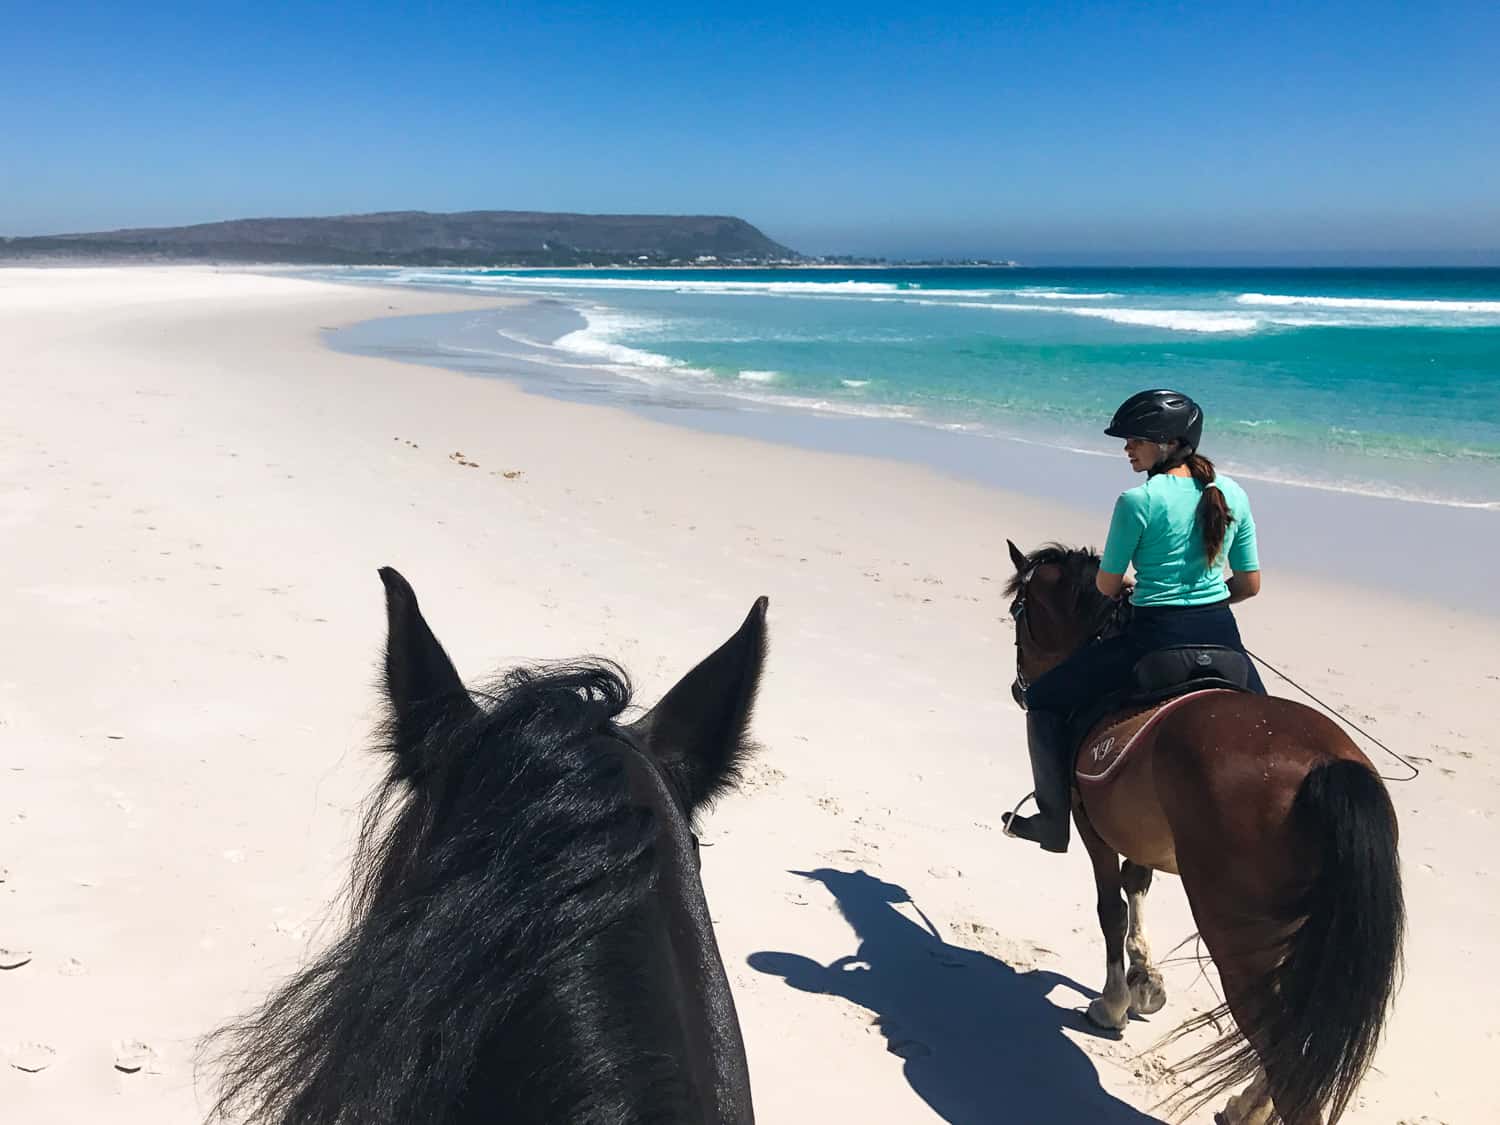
1102	1018
1147	993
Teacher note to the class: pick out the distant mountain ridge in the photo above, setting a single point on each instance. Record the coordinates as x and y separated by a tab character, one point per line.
428	238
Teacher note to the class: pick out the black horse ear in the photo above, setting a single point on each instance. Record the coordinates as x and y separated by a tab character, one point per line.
420	680
697	731
1018	557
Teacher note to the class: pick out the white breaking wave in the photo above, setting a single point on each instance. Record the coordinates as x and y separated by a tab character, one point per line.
686	285
732	286
824	406
1302	311
855	383
1177	320
1386	304
1058	295
595	340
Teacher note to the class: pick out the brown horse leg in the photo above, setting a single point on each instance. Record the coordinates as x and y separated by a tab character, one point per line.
1252	1105
1147	992
1111	1010
1246	957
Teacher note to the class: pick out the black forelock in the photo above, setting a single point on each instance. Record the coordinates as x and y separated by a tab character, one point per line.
489	887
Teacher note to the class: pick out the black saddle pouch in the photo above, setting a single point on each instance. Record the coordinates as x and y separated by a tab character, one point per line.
1168	667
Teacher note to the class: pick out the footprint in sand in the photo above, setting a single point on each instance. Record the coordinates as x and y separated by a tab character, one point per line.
32	1057
133	1056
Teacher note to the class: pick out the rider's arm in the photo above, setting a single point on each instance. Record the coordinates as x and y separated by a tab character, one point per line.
1109	584
1126	527
1244	557
1245	584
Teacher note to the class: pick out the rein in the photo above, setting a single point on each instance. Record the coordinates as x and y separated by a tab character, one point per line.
1348	722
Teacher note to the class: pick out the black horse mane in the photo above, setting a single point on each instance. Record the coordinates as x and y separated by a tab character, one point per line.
495	877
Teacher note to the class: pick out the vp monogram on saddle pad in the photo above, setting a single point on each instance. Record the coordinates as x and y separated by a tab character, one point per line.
1108	744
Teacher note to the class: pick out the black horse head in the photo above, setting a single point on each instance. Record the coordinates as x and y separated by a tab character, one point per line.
530	941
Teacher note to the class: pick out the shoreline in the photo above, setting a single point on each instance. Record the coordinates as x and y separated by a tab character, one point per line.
1274	415
197	492
1308	525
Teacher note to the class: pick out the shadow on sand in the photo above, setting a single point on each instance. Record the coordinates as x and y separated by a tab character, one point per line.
982	1044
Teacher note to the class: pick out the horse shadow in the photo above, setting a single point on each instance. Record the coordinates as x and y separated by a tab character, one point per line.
981	1042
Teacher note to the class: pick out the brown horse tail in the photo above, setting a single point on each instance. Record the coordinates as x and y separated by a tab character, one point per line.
1322	1009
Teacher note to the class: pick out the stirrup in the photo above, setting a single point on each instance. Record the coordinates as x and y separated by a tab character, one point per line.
1011	819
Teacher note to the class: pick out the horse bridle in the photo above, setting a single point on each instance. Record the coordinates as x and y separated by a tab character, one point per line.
1019	686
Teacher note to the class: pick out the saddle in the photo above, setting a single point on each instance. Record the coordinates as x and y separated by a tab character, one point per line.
1104	734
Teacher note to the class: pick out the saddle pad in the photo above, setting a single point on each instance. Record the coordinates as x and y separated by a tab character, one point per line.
1107	744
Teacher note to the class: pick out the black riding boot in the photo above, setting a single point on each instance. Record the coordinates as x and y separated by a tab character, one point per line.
1051	767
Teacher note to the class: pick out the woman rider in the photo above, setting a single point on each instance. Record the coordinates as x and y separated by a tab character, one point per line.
1178	529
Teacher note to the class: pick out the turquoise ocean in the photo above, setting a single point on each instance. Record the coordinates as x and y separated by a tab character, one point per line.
1377	382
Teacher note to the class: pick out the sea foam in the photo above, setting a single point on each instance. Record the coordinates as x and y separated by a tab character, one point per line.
1387	304
595	340
648	284
1176	320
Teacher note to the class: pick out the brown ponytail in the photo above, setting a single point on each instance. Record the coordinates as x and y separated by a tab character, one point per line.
1213	510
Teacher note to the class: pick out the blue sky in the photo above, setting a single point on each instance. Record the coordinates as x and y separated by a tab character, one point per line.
1068	130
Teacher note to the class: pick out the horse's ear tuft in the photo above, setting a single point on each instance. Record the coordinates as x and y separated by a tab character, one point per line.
1018	557
420	681
698	730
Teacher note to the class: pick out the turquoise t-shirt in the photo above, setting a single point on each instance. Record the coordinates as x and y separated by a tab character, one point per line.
1155	526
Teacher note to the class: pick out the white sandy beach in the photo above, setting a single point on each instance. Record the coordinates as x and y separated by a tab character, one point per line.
195	495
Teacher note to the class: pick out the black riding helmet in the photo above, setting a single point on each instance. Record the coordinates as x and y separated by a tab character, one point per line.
1161	416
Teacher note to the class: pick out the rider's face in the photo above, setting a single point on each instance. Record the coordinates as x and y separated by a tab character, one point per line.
1143	454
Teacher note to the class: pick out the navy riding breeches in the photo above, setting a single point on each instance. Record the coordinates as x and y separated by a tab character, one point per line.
1094	671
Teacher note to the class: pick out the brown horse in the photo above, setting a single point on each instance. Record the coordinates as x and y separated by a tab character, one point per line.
1285	840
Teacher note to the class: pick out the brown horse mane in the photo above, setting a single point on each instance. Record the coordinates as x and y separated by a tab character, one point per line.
1077	593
